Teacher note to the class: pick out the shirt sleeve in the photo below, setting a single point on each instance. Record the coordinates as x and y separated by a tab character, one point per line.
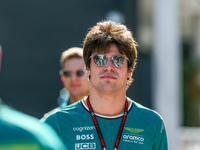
160	139
51	120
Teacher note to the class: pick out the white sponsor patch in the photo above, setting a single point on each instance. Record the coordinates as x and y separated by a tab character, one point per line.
80	129
79	146
135	138
85	137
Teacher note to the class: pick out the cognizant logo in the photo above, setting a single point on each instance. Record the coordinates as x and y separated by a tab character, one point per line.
80	129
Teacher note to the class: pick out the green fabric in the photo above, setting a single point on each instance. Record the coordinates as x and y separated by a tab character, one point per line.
54	110
19	131
143	130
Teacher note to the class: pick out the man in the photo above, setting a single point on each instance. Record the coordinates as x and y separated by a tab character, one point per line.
73	77
107	119
19	131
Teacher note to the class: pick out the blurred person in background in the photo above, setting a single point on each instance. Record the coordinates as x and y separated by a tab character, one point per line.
107	119
73	77
19	131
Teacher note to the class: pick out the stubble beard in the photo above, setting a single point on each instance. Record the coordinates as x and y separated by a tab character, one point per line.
107	86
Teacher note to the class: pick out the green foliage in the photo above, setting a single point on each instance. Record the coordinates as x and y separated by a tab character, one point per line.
191	93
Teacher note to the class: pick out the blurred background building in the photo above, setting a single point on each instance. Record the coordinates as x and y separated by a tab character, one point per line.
170	32
167	77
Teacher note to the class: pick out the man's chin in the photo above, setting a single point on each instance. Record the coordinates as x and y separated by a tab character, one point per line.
75	92
107	87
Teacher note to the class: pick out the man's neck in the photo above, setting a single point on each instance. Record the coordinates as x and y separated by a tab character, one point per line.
108	104
73	99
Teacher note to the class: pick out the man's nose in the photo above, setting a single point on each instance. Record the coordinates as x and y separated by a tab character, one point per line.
109	66
74	75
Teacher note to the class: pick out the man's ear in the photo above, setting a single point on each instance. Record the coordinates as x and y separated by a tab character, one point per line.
87	71
130	72
62	79
86	68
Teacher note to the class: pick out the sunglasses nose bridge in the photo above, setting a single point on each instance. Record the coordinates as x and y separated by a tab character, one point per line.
73	75
110	60
109	64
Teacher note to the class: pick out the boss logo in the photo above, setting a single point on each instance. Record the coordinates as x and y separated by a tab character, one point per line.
85	137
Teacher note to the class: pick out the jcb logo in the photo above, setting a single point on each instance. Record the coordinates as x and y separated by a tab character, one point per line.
79	146
85	137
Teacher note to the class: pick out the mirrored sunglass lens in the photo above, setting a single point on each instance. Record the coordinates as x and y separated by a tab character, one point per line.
80	73
118	60
99	60
67	73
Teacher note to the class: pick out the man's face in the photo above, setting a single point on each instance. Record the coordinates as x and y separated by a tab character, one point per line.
109	78
76	83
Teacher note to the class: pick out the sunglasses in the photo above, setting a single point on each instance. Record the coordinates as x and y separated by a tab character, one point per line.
67	73
101	59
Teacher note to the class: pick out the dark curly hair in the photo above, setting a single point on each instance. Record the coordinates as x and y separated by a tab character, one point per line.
103	35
